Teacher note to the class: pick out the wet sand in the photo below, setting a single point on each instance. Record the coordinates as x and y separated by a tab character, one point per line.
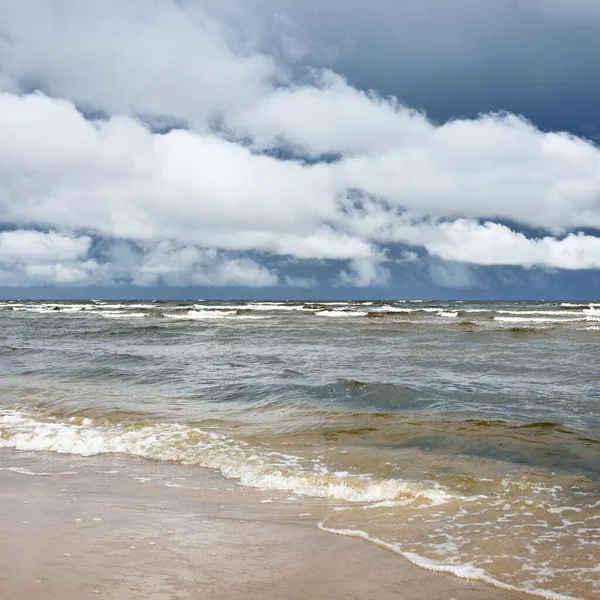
99	533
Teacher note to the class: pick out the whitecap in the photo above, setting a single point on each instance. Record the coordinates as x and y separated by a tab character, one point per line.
340	313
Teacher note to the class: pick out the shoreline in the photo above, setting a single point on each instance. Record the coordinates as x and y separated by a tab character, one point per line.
123	528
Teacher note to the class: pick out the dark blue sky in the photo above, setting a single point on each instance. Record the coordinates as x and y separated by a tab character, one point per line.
465	57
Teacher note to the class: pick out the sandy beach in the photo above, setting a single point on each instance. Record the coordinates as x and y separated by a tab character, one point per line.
69	534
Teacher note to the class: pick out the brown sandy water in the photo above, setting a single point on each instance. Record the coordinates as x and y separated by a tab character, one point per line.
127	528
379	477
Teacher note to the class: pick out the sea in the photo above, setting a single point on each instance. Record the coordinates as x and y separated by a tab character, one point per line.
464	436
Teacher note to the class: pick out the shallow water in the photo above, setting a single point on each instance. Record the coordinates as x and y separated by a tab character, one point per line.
465	436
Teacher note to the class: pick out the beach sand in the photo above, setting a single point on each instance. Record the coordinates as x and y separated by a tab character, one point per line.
85	529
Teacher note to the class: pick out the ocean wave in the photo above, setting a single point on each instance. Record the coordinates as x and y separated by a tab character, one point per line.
262	306
342	313
547	313
580	305
121	314
201	315
44	309
251	466
388	308
98	306
540	320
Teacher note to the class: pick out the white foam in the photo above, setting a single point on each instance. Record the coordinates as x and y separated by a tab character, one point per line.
44	310
110	305
22	471
333	303
464	571
202	315
549	313
448	314
340	313
250	466
393	309
262	306
199	315
62	305
581	305
540	320
115	311
46	307
121	315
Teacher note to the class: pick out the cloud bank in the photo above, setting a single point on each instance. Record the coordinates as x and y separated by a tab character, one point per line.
153	144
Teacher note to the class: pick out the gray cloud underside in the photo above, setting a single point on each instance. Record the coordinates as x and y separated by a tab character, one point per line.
188	206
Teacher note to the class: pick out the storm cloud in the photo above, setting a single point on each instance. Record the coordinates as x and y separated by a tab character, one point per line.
215	144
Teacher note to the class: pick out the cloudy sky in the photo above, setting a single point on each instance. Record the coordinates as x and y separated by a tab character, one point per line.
314	149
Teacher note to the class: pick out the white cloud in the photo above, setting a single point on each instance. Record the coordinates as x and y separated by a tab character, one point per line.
151	58
330	116
21	246
170	264
117	179
409	257
454	275
190	207
364	272
34	257
81	273
491	167
495	244
300	282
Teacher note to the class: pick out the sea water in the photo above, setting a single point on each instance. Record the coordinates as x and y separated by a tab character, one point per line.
464	436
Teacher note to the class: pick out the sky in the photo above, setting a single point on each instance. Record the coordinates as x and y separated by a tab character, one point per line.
315	149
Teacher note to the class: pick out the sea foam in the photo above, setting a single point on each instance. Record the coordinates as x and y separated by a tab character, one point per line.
251	466
464	571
